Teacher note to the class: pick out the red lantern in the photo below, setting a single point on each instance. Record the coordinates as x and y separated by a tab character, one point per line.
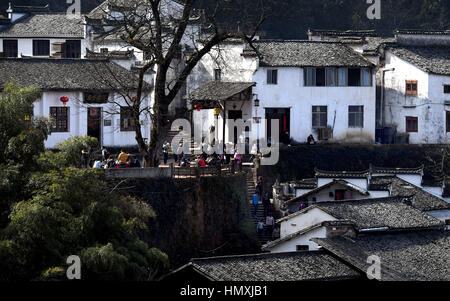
134	98
64	100
198	107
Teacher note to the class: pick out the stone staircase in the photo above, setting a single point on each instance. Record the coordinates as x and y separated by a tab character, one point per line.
251	188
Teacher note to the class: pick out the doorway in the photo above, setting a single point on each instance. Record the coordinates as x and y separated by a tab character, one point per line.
94	126
283	117
235	115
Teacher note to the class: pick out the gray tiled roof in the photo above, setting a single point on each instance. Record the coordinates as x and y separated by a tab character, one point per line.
391	212
341	183
421	255
298	266
341	174
112	55
41	25
432	59
422	32
218	90
305	183
308	54
423	200
378	213
67	74
397	171
343	33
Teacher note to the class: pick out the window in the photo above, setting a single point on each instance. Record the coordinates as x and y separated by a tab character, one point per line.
218	74
412	124
354	77
302	248
447	118
272	77
126	119
73	49
320	77
411	87
10	48
60	116
447	89
331	77
310	77
319	117
356	116
366	77
96	97
342	77
41	47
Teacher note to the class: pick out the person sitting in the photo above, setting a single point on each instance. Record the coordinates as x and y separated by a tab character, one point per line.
311	140
97	164
201	162
134	162
123	157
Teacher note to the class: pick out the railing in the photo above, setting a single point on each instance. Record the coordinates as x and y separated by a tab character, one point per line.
196	172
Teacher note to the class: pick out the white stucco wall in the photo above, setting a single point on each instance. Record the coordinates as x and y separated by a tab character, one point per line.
291	245
78	112
291	93
429	105
362	183
305	220
25	45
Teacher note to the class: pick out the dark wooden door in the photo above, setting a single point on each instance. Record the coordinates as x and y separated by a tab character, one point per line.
94	128
284	120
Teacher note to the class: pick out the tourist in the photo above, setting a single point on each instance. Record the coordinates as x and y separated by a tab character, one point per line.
266	204
311	140
84	159
255	204
123	157
260	227
201	162
97	164
134	162
270	222
259	187
165	148
104	154
253	152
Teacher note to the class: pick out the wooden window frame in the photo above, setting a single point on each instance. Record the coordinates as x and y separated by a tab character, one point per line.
409	88
300	248
126	120
447	121
14	53
409	129
217	75
270	76
319	113
446	89
37	50
359	116
58	117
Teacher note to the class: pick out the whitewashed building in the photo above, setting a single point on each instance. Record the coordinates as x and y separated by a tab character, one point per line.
321	88
348	217
417	89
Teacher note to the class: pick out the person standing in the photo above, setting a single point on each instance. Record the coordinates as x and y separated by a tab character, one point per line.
266	204
270	222
260	227
165	148
259	187
84	159
255	204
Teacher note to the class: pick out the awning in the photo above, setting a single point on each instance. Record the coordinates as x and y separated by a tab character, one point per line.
218	90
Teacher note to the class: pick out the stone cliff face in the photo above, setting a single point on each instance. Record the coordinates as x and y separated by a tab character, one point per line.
198	217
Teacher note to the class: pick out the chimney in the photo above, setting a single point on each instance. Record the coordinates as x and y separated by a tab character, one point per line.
9	11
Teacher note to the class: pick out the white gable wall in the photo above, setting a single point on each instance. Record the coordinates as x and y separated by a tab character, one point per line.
291	245
305	220
428	105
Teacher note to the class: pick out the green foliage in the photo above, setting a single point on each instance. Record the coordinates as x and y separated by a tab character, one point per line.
53	274
69	154
74	212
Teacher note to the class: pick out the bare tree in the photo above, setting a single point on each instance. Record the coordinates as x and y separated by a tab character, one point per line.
162	29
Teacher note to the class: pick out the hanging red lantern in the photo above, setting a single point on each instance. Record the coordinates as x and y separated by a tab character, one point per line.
64	100
198	107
